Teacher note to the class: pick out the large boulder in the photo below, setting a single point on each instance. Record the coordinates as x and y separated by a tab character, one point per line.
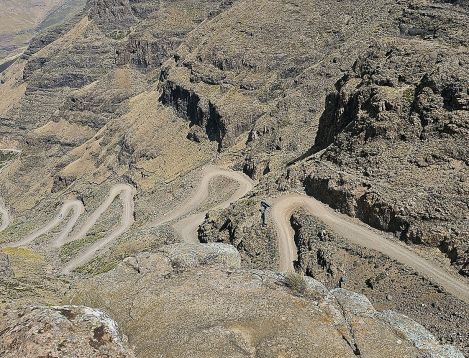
210	311
62	331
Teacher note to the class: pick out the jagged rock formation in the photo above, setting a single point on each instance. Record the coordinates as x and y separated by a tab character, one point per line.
239	226
396	157
183	257
60	331
244	80
396	131
111	14
338	263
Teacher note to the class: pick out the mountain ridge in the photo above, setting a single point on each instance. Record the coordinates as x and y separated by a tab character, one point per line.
365	108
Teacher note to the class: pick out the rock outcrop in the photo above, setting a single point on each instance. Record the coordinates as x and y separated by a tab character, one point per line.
245	313
400	120
183	257
337	263
191	101
241	227
112	14
60	331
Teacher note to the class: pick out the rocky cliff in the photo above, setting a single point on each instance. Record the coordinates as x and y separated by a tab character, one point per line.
361	105
395	133
60	331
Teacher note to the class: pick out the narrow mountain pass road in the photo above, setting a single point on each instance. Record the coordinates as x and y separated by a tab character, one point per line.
187	227
73	209
126	194
74	206
356	233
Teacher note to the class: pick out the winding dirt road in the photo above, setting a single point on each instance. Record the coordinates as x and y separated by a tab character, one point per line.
282	209
360	234
74	209
126	194
74	206
187	227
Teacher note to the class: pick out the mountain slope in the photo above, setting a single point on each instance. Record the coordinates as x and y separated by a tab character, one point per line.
363	107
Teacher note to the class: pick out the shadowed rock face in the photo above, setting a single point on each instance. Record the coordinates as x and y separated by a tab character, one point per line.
197	111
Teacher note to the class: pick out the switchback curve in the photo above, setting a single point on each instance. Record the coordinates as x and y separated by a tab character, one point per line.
126	193
187	226
356	233
74	206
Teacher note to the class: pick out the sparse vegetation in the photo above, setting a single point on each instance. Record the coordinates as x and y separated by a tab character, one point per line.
98	266
5	157
22	252
296	282
118	34
250	202
21	20
359	106
409	94
16	231
70	249
64	12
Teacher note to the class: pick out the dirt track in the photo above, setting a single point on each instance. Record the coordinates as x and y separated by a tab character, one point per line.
74	206
126	193
283	207
187	226
356	233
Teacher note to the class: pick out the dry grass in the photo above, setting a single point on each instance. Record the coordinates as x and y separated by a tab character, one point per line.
295	282
24	261
18	19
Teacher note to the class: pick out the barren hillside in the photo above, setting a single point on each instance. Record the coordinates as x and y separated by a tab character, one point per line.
206	146
20	20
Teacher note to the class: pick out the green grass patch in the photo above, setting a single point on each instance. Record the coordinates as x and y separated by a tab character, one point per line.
250	202
98	266
15	232
118	34
22	252
5	157
409	95
71	249
296	282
